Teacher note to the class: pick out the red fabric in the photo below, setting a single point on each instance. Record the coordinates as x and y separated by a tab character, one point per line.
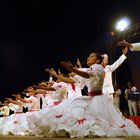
17	112
136	120
32	110
73	86
122	126
59	86
56	103
81	121
94	93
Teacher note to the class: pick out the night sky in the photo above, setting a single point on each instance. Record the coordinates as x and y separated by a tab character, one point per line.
35	35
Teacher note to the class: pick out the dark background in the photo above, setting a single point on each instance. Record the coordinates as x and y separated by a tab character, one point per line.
37	34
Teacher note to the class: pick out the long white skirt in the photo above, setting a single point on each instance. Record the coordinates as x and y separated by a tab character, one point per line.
15	124
82	117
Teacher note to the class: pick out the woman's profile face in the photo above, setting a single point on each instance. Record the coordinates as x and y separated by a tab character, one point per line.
30	89
91	59
105	62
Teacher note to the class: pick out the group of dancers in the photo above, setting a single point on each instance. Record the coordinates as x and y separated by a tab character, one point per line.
65	112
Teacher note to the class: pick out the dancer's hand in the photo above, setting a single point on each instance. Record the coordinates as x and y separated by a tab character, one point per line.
125	43
79	63
125	50
53	72
14	95
67	65
47	70
9	99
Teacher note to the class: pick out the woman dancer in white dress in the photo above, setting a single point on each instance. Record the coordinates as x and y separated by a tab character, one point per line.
72	81
17	123
85	116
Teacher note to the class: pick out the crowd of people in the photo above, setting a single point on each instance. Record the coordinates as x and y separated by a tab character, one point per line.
57	108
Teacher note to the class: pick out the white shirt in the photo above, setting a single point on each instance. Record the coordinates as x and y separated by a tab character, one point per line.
96	72
73	90
5	110
60	92
45	100
16	108
107	84
38	96
132	89
79	81
33	103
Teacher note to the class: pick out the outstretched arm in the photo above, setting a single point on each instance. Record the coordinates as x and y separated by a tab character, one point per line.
121	59
60	76
79	63
45	88
40	91
131	46
70	68
13	101
23	100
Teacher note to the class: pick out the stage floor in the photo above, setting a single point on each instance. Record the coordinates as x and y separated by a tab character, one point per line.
43	138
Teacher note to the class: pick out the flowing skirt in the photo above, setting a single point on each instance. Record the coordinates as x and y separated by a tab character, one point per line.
83	116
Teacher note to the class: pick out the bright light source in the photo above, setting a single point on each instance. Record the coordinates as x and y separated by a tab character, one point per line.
122	24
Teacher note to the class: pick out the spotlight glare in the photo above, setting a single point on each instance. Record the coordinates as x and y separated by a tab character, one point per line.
122	24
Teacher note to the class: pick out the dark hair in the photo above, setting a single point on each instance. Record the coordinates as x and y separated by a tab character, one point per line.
99	57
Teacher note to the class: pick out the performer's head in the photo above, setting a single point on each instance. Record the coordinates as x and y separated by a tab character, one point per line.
43	84
30	88
105	60
94	58
6	102
129	85
30	91
72	74
116	86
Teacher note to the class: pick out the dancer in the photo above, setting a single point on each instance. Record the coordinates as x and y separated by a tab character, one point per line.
108	88
73	82
89	116
84	116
